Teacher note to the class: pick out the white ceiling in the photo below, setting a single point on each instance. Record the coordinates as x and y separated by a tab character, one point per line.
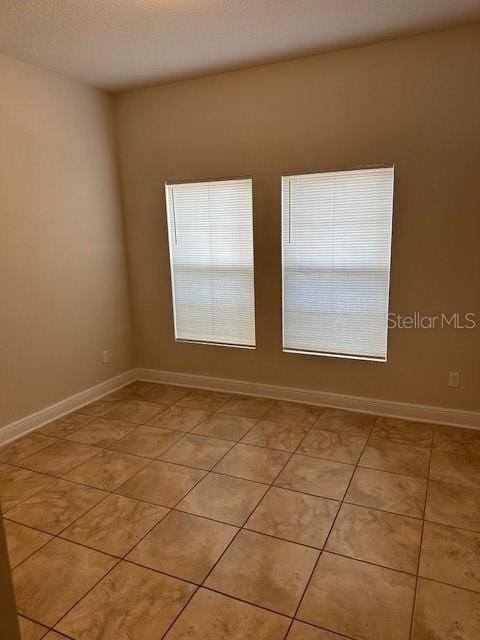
117	44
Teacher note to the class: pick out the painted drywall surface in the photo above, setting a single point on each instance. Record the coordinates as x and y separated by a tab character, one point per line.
63	274
414	102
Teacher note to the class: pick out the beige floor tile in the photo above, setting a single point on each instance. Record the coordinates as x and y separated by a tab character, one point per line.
375	536
115	396
166	394
340	447
22	541
30	630
137	411
275	435
359	600
53	635
197	451
294	516
213	616
388	491
119	394
265	571
443	612
107	470
60	457
65	426
184	546
98	408
252	463
223	498
451	555
399	431
162	483
101	432
302	631
136	389
56	506
24	447
353	424
179	418
398	458
456	440
17	485
220	425
131	602
150	442
456	468
115	525
454	505
54	578
293	413
323	478
207	400
247	406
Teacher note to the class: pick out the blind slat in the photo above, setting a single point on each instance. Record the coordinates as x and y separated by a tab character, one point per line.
336	237
211	260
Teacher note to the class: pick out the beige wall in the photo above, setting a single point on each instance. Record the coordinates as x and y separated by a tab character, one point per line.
63	276
414	102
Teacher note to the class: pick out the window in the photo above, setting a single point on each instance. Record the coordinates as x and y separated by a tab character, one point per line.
211	258
336	236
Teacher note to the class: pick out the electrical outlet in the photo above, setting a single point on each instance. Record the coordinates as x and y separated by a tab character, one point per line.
106	357
454	379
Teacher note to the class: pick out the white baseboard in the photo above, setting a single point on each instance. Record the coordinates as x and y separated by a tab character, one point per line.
417	412
39	418
389	408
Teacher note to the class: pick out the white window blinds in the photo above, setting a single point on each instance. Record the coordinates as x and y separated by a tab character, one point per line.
336	237
211	259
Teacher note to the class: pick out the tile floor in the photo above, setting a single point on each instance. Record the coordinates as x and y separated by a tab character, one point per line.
166	512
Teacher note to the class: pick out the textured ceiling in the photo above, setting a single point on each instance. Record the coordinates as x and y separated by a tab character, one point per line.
117	44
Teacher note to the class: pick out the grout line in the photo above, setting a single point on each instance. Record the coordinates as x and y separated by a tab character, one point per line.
250	513
49	478
369	562
420	549
294	617
449	584
51	475
86	593
393	513
314	626
233	538
58	534
249	602
37	549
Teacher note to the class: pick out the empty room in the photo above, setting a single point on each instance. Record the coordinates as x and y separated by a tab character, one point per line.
239	320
